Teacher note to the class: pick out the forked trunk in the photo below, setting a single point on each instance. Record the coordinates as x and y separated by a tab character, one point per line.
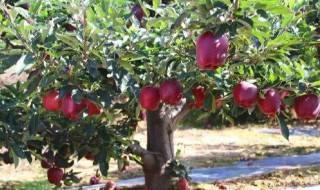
160	144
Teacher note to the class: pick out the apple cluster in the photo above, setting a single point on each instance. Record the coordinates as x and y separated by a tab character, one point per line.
246	95
70	108
54	173
169	92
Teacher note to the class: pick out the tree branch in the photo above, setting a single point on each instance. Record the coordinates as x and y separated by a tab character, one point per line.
16	31
148	158
85	53
184	110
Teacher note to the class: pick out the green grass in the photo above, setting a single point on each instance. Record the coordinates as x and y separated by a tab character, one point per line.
30	185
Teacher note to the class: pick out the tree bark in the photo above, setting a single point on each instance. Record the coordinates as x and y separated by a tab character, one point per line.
160	145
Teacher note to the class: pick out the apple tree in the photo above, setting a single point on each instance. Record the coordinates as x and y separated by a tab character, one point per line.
95	65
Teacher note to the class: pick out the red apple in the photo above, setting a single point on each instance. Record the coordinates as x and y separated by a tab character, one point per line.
211	52
89	156
307	107
150	98
183	184
138	12
7	159
51	101
218	101
93	109
200	95
271	103
49	160
125	168
95	179
25	6
245	94
46	57
55	175
70	108
70	27
171	91
111	185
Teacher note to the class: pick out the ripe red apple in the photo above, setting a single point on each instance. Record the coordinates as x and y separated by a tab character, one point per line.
245	94
89	156
125	168
51	101
183	184
150	97
25	6
46	57
307	107
211	52
171	91
55	175
200	95
271	103
7	159
70	108
138	12
218	101
93	109
70	27
49	160
95	179
111	185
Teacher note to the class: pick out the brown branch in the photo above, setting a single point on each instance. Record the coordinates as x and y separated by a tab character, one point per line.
85	53
236	4
183	112
16	31
149	159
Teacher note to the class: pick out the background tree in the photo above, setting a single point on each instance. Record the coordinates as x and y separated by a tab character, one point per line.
89	60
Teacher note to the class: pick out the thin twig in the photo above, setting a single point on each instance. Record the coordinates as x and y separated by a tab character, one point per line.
16	31
84	36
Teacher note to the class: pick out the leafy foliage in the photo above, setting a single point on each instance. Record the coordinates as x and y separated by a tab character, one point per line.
99	51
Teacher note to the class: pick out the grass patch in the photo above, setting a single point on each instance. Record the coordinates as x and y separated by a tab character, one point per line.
30	185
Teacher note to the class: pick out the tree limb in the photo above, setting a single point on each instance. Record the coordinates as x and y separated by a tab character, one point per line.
20	37
184	110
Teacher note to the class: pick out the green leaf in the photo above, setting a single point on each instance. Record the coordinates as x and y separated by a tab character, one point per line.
17	150
284	127
179	20
76	96
75	179
104	167
69	40
314	84
24	63
33	124
47	80
36	6
156	3
15	158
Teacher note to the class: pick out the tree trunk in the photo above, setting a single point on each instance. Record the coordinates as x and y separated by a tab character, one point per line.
160	144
